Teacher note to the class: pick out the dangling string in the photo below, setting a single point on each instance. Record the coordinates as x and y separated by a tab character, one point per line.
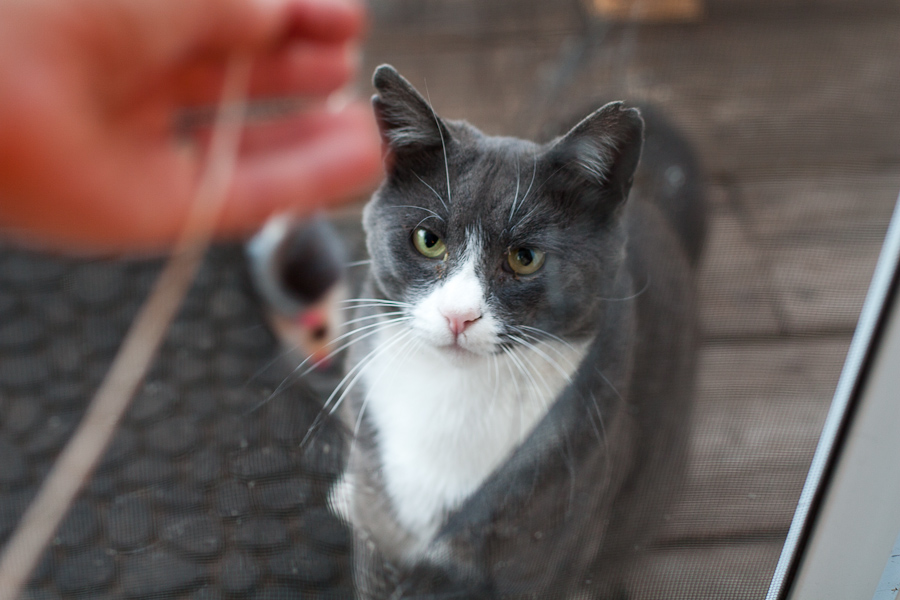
79	458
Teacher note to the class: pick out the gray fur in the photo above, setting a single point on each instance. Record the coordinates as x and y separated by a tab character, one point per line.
565	515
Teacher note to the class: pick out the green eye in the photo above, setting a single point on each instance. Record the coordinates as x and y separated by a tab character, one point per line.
428	243
525	261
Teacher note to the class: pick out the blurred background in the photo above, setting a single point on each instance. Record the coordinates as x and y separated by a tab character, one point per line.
792	109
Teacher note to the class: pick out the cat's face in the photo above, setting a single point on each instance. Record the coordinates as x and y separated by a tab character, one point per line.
488	239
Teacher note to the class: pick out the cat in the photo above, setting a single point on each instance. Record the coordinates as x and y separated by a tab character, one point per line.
517	399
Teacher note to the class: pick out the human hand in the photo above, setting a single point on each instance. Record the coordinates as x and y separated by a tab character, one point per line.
90	156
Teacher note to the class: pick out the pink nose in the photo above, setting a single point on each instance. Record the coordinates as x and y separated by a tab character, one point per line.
462	320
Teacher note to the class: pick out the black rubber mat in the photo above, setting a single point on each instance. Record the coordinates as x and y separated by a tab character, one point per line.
205	491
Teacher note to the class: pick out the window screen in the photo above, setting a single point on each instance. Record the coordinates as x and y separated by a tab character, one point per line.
787	113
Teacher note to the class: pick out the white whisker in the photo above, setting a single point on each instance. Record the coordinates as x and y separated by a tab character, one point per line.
534	384
425	219
419	207
433	191
551	361
540	187
361	306
278	356
375	316
375	327
555	338
377	301
443	144
609	383
411	343
359	369
633	296
602	436
349	380
293	376
601	433
512	374
515	380
525	197
512	210
529	213
524	331
496	375
358	263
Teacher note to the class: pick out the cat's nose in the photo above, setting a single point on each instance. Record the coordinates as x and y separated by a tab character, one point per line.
461	320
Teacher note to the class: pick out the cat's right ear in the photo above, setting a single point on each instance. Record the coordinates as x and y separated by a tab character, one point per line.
597	158
407	122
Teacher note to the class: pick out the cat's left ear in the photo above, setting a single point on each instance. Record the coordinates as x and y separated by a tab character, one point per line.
602	152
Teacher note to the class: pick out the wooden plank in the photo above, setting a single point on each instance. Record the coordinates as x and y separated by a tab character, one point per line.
839	207
756	422
793	255
759	95
736	294
801	8
474	18
666	11
822	235
824	285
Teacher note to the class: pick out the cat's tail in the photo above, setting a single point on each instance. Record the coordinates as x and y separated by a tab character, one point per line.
669	176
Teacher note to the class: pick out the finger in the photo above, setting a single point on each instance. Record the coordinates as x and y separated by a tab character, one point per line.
116	203
326	20
306	127
303	69
168	33
139	201
229	25
323	167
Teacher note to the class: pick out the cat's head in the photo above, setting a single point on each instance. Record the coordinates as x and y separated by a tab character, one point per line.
491	238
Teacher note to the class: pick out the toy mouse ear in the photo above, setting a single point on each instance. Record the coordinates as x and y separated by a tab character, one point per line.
406	120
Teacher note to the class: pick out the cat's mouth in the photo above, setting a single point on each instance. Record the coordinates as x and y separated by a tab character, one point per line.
460	356
458	348
461	351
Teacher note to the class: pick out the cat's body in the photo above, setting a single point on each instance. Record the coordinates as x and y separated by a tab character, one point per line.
520	401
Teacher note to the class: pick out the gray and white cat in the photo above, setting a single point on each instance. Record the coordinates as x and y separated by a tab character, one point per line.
523	374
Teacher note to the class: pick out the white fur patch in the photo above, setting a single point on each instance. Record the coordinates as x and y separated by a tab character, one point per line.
448	410
339	498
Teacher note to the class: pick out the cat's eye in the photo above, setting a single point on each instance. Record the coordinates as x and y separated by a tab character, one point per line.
428	243
525	261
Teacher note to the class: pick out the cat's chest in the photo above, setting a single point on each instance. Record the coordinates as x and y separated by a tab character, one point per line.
443	426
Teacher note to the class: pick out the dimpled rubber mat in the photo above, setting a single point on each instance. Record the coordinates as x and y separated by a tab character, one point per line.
205	491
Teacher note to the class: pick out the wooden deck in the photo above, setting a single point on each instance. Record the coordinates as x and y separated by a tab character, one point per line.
794	109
